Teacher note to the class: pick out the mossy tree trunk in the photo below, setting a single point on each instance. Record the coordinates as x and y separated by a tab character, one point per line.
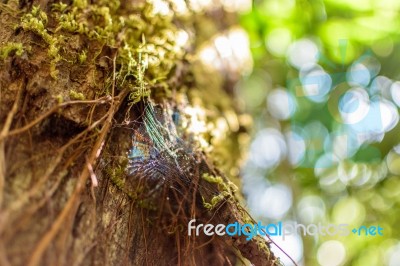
73	76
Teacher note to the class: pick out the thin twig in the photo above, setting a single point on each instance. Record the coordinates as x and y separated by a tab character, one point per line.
29	194
95	182
49	112
3	133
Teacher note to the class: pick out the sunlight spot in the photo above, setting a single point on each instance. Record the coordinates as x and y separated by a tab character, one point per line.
393	256
389	115
393	162
281	104
344	144
197	123
293	245
371	63
278	41
358	75
316	84
381	86
311	209
354	105
228	52
182	38
239	6
347	172
383	47
296	147
268	148
160	7
275	201
350	211
242	60
223	46
397	149
331	253
395	92
202	5
180	7
301	52
209	57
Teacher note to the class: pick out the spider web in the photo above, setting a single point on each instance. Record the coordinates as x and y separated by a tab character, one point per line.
159	157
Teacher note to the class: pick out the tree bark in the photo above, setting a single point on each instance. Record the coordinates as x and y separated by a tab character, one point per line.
71	77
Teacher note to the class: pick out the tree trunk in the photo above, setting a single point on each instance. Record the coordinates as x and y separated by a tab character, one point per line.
93	169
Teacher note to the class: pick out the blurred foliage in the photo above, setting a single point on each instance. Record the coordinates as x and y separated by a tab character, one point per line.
324	95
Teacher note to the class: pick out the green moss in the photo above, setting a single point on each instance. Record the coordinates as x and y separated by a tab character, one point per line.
36	21
227	189
9	48
141	90
117	177
59	7
60	99
222	184
118	182
262	245
74	95
216	200
69	23
213	179
80	3
82	57
146	204
105	23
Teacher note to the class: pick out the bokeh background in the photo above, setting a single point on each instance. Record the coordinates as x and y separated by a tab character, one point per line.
321	82
324	93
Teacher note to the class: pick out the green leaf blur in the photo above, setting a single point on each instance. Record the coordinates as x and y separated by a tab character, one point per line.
325	95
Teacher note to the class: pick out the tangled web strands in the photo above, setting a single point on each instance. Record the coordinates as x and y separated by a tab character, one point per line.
173	177
154	135
159	157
